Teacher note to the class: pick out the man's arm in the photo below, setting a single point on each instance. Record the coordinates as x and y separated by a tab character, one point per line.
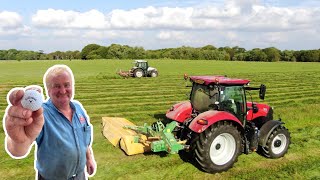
22	126
91	163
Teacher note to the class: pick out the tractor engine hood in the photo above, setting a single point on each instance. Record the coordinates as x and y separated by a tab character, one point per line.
151	69
263	111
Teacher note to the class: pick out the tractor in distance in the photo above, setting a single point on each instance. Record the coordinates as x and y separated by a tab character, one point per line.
217	124
140	69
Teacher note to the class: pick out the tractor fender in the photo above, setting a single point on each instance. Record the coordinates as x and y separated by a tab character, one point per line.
180	112
211	116
266	130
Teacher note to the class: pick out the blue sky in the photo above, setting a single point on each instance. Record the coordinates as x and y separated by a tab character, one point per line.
154	24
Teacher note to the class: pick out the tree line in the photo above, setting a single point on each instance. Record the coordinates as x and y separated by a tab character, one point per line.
208	52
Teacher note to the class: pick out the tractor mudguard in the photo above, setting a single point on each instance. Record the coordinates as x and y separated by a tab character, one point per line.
263	110
211	117
180	112
266	130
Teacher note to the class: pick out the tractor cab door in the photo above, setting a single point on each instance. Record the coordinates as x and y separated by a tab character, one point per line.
232	99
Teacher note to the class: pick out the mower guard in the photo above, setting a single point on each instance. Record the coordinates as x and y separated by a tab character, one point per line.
126	139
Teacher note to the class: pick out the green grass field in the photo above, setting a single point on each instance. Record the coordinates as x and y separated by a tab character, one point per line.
293	89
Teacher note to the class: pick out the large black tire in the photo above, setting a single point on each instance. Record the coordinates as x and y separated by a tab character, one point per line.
218	147
138	73
277	144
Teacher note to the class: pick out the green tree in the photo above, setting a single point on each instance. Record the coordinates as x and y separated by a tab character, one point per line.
87	49
273	54
288	55
256	54
115	51
3	54
208	47
11	54
310	56
137	53
102	52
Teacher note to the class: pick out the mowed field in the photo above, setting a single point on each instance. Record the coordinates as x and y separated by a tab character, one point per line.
293	89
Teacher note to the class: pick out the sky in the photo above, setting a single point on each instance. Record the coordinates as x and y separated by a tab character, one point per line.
69	25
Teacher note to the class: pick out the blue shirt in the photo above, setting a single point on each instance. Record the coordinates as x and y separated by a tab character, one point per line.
62	145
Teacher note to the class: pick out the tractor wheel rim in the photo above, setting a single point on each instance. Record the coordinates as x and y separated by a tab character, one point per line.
153	74
279	144
139	74
222	149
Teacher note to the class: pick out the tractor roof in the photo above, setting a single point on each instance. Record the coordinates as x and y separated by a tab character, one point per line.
218	80
140	61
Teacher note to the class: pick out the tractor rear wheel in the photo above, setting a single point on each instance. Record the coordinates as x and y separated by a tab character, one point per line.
138	73
277	144
218	147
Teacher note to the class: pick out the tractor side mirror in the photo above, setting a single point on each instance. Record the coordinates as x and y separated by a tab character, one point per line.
262	91
185	76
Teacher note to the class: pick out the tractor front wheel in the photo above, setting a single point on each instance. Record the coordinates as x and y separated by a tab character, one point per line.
138	73
218	147
277	144
154	74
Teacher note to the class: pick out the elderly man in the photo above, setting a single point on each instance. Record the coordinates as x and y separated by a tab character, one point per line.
61	129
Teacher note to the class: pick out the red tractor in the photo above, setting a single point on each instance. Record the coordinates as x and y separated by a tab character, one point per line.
218	123
211	130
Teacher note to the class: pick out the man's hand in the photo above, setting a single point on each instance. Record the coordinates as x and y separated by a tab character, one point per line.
22	125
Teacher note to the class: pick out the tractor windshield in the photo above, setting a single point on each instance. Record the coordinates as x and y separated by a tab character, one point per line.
142	65
203	97
232	99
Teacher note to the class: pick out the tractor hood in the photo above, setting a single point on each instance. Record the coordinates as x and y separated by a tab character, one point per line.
151	69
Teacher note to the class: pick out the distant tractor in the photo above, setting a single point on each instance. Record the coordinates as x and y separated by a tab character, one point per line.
140	69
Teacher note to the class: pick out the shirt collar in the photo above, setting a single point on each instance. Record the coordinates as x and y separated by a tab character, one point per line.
50	103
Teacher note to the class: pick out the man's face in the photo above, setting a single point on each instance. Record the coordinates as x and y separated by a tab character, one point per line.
60	89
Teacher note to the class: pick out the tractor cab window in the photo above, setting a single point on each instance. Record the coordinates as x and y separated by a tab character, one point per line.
142	65
203	97
232	99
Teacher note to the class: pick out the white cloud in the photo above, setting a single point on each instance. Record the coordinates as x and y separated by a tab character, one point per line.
152	18
10	19
171	35
241	15
52	18
11	24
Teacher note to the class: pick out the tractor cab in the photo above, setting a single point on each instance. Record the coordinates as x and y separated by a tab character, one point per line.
141	64
219	93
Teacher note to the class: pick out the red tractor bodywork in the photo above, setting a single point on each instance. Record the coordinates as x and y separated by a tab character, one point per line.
180	112
206	119
263	110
